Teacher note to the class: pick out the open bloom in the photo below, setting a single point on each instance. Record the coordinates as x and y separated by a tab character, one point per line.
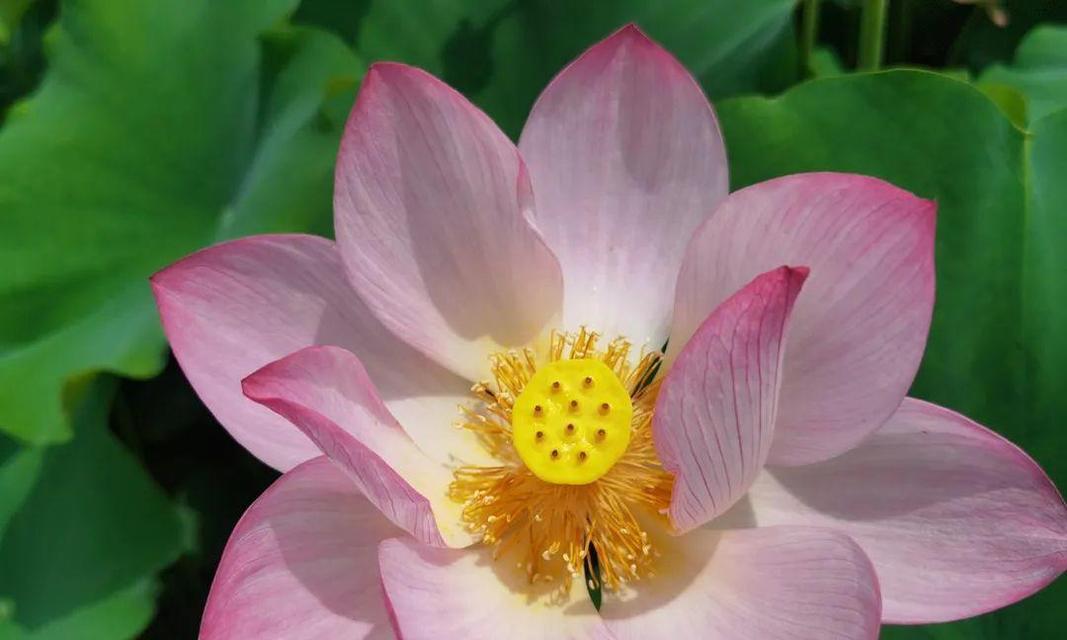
479	423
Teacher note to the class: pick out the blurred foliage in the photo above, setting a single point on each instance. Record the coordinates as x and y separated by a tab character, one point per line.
982	43
1039	73
136	132
22	26
88	530
501	53
175	144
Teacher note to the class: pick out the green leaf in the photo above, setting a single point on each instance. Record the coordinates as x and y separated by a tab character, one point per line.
1039	72
123	614
997	344
1010	101
288	185
77	558
1044	292
419	33
11	12
156	131
825	63
502	54
19	469
22	28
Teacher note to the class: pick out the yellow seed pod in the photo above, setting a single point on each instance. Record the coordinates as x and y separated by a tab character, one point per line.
571	423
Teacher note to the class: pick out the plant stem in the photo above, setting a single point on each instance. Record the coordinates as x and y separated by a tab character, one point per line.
809	31
898	38
872	34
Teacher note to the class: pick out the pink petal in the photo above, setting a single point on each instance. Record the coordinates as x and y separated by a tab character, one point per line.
237	306
957	520
860	328
626	160
302	564
780	583
714	418
443	593
431	203
325	391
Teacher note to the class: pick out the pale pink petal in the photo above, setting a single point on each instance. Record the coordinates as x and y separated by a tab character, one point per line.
326	392
232	308
626	160
859	330
444	593
779	583
431	202
957	520
714	418
302	564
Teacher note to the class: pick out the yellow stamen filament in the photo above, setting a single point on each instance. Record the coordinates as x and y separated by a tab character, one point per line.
551	527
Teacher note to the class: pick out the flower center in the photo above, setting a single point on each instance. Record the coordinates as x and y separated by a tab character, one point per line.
571	423
577	476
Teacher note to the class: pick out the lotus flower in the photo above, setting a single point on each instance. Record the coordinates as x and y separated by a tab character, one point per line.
480	426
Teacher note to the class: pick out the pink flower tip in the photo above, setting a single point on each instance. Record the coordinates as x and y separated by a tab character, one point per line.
629	33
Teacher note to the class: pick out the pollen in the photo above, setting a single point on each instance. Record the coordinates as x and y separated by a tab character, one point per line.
577	469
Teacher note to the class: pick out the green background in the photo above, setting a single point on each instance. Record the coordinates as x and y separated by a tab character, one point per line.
133	132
